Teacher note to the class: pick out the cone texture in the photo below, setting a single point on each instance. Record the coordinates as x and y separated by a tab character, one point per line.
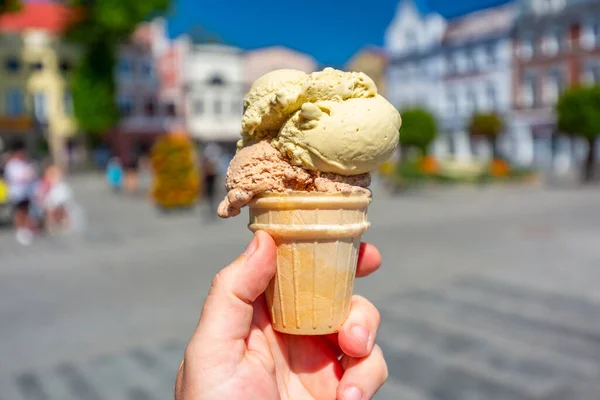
318	238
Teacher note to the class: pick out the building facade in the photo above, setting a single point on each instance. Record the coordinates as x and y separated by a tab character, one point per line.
214	93
476	64
148	105
35	100
452	68
556	45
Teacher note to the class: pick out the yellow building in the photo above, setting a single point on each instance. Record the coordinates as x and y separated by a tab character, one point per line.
373	62
35	101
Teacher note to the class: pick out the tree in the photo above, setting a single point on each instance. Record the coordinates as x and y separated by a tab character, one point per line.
99	29
9	6
578	112
487	126
176	178
418	130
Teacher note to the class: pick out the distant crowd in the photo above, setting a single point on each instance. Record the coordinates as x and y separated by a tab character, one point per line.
34	197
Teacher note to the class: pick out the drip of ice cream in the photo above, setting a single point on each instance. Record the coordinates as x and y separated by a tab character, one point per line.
322	132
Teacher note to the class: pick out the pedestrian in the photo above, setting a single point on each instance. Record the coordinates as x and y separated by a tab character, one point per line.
57	200
131	177
114	174
234	352
20	177
210	171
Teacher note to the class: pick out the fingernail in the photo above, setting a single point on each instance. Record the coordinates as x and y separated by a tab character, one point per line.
352	393
361	334
252	247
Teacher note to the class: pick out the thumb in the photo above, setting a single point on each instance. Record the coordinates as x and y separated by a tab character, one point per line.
227	313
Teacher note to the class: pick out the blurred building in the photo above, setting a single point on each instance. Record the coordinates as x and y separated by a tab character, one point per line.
214	92
452	68
556	45
373	62
259	62
35	66
147	104
476	69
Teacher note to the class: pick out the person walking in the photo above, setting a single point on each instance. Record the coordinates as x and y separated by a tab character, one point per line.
20	177
115	174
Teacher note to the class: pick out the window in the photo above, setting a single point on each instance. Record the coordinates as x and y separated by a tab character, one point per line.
12	64
216	80
553	42
592	74
65	66
171	110
124	67
452	103
547	6
490	54
36	66
490	93
199	107
529	92
470	60
67	103
147	69
15	105
236	107
40	106
150	107
450	65
471	101
526	47
218	107
554	86
411	39
595	30
125	105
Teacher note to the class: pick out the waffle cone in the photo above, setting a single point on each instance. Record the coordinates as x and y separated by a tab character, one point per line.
317	237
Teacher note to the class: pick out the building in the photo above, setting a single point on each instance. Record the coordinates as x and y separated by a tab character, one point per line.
453	68
476	65
214	93
412	41
556	45
147	92
35	101
372	61
261	61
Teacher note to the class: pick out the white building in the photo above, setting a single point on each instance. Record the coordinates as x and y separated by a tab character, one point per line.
214	86
453	68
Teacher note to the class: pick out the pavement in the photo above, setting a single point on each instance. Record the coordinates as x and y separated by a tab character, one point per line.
485	293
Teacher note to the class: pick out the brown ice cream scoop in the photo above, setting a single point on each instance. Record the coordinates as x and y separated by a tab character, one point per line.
259	168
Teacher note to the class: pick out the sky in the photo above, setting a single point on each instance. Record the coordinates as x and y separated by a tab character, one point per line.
330	30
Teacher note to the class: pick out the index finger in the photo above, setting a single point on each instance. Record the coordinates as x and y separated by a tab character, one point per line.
369	260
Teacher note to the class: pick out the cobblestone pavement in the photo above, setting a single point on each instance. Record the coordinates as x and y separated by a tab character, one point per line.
484	294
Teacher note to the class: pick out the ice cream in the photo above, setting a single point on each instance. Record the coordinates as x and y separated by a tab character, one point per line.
309	142
320	132
259	168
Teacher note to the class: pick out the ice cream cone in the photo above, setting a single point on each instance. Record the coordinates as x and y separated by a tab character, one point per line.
318	237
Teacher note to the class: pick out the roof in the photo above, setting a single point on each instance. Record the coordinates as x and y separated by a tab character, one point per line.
451	10
481	24
50	17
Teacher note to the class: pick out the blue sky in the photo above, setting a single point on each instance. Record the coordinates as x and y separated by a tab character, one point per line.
330	30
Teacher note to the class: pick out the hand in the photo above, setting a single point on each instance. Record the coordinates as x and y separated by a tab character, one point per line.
234	352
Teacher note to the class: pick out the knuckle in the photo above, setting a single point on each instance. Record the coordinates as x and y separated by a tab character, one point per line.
381	363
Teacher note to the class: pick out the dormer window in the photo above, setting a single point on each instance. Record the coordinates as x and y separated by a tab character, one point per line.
216	80
548	6
411	39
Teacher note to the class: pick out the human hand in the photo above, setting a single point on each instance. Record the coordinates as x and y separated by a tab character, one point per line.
234	352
